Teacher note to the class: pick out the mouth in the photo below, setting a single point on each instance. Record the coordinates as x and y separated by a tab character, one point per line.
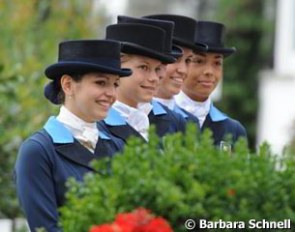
177	80
206	84
104	104
150	88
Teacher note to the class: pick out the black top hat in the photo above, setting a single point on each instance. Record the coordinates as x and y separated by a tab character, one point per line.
84	56
140	39
184	30
213	34
167	26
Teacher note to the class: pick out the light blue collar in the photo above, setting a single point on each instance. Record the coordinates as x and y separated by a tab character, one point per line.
114	118
178	110
60	134
157	108
216	115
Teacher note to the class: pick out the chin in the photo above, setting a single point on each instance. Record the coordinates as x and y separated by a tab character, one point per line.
101	117
175	91
146	99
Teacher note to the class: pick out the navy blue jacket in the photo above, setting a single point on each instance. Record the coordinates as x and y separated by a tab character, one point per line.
165	121
44	163
221	125
187	115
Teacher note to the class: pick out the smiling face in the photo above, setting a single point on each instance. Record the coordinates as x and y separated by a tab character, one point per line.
91	97
176	73
205	73
141	86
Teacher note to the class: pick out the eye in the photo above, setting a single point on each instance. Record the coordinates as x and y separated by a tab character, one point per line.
143	67
218	63
198	60
101	83
158	69
117	84
188	60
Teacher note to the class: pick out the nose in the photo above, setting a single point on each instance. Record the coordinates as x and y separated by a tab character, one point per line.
111	91
154	76
182	67
208	70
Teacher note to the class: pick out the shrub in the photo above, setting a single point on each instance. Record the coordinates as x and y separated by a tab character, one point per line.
187	178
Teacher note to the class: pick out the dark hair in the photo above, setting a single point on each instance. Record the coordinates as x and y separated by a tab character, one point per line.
61	94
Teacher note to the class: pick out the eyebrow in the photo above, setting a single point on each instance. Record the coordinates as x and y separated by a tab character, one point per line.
204	54
103	75
143	61
200	54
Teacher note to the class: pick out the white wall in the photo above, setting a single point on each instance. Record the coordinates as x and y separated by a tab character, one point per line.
277	87
277	110
6	225
285	37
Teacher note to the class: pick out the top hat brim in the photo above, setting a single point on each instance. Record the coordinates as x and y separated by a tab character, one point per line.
74	67
194	46
132	48
176	51
224	51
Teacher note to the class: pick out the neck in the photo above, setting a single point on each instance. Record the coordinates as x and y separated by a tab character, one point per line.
194	96
163	95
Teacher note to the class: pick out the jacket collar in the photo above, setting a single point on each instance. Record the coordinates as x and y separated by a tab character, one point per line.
72	150
157	108
60	134
115	119
178	110
216	115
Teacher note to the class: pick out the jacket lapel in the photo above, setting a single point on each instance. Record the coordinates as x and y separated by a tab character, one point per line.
70	148
118	126
159	117
124	132
76	153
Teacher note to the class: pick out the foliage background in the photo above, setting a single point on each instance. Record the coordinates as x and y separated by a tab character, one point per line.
185	179
31	29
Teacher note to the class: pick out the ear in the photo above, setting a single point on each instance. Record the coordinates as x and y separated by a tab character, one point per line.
67	84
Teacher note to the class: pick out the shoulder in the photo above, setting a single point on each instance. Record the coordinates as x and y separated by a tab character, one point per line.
175	117
35	147
112	140
35	155
170	113
36	142
237	126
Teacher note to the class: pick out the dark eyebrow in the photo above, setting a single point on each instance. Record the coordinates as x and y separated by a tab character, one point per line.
218	56
200	54
104	76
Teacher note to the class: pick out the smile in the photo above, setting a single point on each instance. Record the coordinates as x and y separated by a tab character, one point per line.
149	88
178	80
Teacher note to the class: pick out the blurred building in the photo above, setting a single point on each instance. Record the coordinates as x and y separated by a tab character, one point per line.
277	87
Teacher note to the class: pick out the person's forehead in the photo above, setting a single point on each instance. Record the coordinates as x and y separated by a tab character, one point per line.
148	60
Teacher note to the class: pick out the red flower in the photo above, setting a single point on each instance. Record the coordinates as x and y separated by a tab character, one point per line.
140	220
157	225
102	228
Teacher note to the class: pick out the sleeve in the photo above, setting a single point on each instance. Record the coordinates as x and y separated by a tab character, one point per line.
35	186
240	131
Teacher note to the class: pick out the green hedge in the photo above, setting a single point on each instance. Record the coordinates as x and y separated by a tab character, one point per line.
187	178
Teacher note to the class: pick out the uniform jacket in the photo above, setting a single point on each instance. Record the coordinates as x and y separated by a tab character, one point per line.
187	116
44	163
222	125
165	121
